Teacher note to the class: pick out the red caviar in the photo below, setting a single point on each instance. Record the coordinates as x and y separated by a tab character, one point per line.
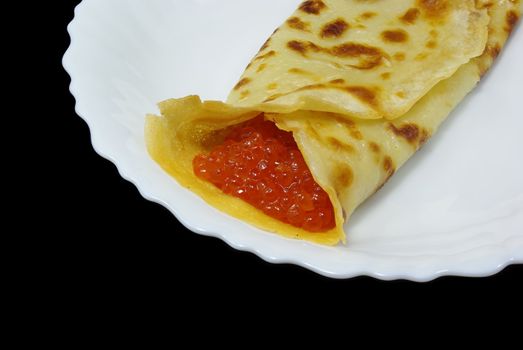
262	165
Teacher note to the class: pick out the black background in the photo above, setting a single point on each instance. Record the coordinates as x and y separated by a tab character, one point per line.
118	240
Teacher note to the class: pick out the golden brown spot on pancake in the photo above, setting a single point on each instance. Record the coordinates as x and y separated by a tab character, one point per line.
354	50
493	50
267	55
511	19
425	136
265	44
261	67
388	164
395	36
369	56
242	83
244	94
410	16
313	7
434	9
298	46
422	56
350	126
481	5
385	76
374	147
366	65
298	71
401	94
432	44
400	56
312	87
410	132
334	29
311	131
347	123
390	169
337	81
272	98
368	15
363	94
343	177
434	33
272	86
340	146
356	134
298	24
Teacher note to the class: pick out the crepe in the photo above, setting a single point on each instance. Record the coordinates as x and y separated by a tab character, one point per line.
352	149
365	59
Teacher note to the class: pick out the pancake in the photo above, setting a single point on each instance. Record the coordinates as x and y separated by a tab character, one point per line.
351	154
365	59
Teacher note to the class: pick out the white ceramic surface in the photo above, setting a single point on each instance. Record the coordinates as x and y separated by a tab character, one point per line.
455	209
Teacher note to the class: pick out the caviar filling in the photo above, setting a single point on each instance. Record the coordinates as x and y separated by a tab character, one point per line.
263	166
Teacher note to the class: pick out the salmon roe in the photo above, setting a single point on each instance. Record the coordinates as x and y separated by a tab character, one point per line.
263	166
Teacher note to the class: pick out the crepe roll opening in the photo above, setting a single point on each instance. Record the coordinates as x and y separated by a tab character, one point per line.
262	165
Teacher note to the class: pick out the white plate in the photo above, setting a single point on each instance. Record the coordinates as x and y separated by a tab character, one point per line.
455	209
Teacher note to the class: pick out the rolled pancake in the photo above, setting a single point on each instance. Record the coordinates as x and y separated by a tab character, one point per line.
366	59
351	158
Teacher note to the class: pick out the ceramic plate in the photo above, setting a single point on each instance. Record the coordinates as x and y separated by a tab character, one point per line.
455	209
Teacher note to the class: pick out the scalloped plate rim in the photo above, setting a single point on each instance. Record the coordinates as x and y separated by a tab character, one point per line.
102	149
